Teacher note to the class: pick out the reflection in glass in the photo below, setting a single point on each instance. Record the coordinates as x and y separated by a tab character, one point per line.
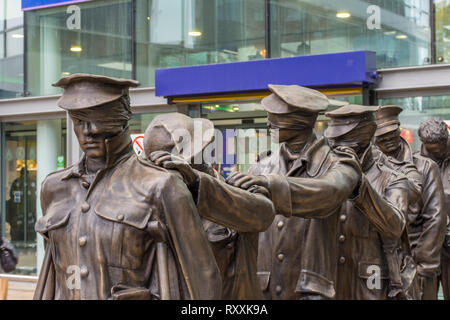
399	31
20	187
442	9
173	33
91	37
418	109
11	49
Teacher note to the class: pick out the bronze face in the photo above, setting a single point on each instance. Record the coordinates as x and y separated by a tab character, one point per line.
389	142
92	135
437	151
281	135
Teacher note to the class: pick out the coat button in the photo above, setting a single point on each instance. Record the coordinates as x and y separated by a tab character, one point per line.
343	217
85	184
85	207
230	246
341	238
342	260
84	272
120	217
278	289
82	241
280	257
280	225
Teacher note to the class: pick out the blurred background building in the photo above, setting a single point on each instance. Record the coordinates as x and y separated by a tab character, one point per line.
41	41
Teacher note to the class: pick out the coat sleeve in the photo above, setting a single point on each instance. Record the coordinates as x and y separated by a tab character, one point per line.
192	249
387	213
434	219
233	207
317	197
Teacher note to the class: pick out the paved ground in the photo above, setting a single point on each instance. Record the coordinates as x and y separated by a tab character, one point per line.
21	290
25	291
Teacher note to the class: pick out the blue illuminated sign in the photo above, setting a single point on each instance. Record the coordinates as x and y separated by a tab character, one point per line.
39	4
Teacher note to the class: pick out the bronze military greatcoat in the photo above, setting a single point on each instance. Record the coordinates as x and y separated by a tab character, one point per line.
427	218
297	254
102	228
360	247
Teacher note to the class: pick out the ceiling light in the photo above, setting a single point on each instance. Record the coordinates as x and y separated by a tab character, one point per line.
390	33
76	49
343	14
17	36
235	108
402	36
195	33
65	73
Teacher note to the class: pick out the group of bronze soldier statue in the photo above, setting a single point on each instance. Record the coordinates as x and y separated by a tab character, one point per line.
351	215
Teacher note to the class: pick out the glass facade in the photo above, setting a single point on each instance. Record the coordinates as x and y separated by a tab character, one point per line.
418	109
442	16
130	39
20	173
173	33
93	37
11	49
398	30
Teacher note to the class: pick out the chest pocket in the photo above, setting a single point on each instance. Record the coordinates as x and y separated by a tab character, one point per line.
56	217
129	241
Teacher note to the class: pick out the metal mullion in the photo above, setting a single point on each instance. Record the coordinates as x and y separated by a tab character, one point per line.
268	27
433	31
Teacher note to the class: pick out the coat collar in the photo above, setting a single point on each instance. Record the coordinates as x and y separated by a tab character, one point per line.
313	156
117	148
367	159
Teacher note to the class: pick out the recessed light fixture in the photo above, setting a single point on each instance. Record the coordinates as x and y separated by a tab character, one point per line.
148	18
235	108
17	36
65	73
195	33
343	14
390	33
76	49
402	36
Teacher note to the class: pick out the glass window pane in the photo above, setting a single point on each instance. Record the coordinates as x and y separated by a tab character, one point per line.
442	8
2	14
11	67
195	32
14	43
20	183
398	31
91	37
14	15
417	110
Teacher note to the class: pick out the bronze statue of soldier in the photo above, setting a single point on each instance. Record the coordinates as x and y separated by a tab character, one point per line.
372	223
115	226
426	217
433	134
307	182
234	217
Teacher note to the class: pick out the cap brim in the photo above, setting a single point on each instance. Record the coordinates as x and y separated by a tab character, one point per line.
273	104
82	96
386	129
339	130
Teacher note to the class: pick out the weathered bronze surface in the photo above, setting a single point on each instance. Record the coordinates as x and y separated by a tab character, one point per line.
234	217
427	216
308	182
375	219
117	227
434	136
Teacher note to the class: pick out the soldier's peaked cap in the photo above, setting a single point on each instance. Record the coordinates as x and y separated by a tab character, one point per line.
83	91
387	119
346	118
292	98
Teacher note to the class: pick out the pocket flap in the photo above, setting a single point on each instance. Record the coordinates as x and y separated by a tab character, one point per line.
311	282
135	214
367	269
263	278
54	219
